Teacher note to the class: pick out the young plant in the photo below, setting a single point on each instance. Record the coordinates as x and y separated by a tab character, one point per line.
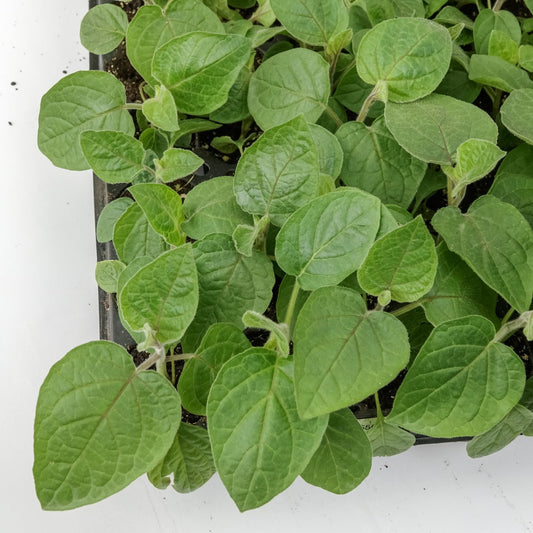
365	194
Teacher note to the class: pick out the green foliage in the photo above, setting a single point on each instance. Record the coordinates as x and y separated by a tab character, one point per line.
354	247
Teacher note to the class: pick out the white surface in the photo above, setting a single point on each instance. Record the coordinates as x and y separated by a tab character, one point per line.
50	305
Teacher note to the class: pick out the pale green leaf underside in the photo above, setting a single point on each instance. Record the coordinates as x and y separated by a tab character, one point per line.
314	22
410	55
103	28
387	439
114	156
211	207
99	425
457	291
107	273
209	61
161	110
487	21
403	262
343	354
344	457
291	83
495	240
220	343
517	114
499	73
259	443
162	207
81	101
152	27
163	294
461	383
327	240
109	216
433	128
279	173
376	163
189	461
329	150
229	283
502	434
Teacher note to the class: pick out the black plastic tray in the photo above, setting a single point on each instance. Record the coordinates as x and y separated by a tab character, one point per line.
110	326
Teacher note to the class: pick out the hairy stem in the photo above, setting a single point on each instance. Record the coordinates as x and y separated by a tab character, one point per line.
333	115
510	327
507	316
132	105
292	303
367	104
155	359
180	357
378	407
498	5
409	307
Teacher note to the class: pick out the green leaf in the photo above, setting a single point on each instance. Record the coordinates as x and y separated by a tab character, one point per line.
211	208
133	236
189	461
163	294
107	274
161	110
314	22
451	15
433	128
487	21
342	353
219	345
329	150
154	140
259	443
352	92
291	83
525	57
193	125
461	383
501	45
376	163
282	302
103	28
79	102
236	108
114	156
152	27
177	163
207	60
457	291
388	439
99	425
326	240
517	114
408	56
279	172
230	284
497	72
418	328
502	434
495	240
162	207
456	83
403	262
109	216
513	182
344	457
433	181
245	236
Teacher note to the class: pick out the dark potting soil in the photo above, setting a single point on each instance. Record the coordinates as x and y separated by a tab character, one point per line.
218	164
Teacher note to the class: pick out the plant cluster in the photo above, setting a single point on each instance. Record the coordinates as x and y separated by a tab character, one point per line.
366	130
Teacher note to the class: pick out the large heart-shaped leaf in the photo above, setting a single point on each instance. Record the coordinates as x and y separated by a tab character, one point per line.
99	425
461	383
279	173
103	28
259	442
342	353
291	83
196	60
328	239
496	242
79	102
407	57
163	295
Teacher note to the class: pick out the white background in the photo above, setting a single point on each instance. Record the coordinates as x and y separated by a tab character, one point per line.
49	305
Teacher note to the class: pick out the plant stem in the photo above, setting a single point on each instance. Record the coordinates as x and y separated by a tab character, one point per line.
132	105
173	372
409	307
510	327
378	408
155	359
333	115
507	316
498	5
180	357
292	303
367	104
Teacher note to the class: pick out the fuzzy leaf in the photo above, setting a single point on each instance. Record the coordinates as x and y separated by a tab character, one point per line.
177	163
161	110
109	216
387	439
517	114
103	28
107	273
